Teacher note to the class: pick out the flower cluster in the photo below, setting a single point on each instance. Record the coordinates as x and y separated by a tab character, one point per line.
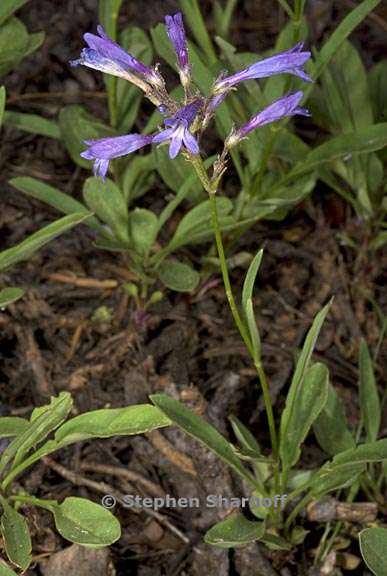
183	121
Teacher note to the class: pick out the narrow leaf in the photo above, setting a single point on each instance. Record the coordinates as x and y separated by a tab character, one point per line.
248	285
300	373
111	422
201	430
28	247
368	394
9	295
53	197
106	200
330	427
16	535
12	426
8	7
2	103
309	400
32	123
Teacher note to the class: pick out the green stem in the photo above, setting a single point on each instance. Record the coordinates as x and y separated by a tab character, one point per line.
296	510
203	176
46	504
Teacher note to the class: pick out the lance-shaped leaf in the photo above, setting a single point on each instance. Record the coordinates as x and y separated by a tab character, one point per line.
201	430
346	466
43	421
34	242
10	295
298	382
16	536
368	393
309	400
330	427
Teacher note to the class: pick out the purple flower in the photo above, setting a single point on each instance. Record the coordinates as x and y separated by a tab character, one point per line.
178	132
107	56
285	106
176	33
289	62
105	149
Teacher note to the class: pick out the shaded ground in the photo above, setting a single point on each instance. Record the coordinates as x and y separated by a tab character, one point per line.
187	346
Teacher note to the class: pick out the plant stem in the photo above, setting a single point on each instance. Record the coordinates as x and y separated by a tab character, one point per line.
294	513
202	174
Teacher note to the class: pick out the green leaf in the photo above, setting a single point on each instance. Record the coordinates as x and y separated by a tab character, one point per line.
54	197
135	41
194	18
77	125
85	523
28	247
14	41
379	241
198	221
244	436
343	30
138	177
247	302
103	423
108	11
111	422
105	199
234	531
367	140
181	172
178	276
43	421
12	426
8	7
202	431
299	377
373	546
16	535
248	284
377	78
368	394
34	42
345	85
308	402
2	103
144	227
5	571
9	295
330	427
32	123
346	466
253	328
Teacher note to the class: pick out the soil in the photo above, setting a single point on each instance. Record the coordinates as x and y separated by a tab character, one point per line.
186	345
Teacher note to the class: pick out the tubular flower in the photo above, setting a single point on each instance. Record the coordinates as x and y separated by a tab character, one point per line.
288	62
176	33
285	106
105	149
107	56
177	131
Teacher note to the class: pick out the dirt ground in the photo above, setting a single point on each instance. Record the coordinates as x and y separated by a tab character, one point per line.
186	345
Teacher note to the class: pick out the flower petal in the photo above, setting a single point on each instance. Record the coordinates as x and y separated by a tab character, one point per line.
176	144
190	142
